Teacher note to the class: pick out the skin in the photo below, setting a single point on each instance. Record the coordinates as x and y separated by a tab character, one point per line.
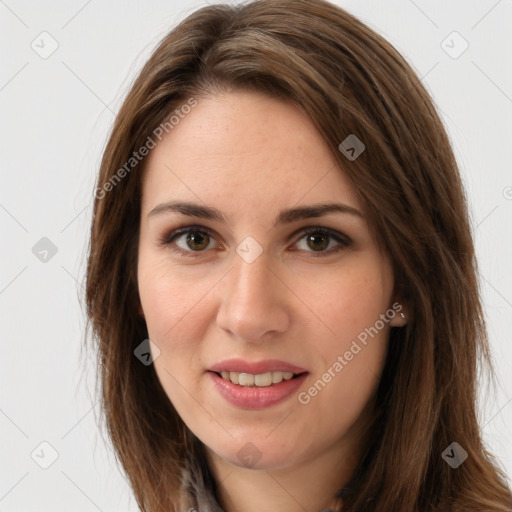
250	156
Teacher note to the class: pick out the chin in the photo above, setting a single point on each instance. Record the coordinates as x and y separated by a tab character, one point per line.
258	455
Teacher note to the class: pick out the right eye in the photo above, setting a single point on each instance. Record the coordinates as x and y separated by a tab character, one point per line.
189	240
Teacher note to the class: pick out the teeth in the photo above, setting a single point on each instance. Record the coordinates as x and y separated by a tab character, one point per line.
260	380
277	377
263	379
245	379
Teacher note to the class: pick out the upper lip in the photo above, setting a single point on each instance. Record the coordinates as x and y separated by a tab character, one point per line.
255	368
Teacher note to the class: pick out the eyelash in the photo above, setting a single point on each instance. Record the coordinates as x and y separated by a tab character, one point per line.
168	240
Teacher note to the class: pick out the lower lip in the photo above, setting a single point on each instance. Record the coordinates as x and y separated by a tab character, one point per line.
255	397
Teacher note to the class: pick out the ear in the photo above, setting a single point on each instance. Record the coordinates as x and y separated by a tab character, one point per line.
400	317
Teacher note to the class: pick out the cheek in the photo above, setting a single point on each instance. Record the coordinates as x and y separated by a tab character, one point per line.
174	300
176	315
163	307
352	301
353	357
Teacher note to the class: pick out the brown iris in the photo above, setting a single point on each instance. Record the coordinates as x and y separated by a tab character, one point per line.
317	241
197	240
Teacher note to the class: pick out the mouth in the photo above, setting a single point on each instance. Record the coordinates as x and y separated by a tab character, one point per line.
256	384
256	391
258	380
256	374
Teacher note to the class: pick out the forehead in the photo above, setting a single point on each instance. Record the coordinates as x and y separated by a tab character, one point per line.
246	148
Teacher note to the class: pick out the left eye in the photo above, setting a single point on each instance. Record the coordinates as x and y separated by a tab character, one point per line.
322	241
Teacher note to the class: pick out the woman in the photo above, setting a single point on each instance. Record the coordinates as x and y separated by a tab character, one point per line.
280	212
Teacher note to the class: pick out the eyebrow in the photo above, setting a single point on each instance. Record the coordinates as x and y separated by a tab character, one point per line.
284	217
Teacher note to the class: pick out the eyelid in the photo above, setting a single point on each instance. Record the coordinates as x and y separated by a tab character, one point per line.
343	240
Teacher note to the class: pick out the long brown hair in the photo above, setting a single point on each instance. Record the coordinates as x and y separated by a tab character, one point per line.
348	80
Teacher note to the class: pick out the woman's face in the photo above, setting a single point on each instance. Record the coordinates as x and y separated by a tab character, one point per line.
261	281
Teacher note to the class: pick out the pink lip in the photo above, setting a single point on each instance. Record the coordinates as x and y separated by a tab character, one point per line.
255	397
270	365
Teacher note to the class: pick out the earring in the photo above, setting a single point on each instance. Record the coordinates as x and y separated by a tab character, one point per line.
403	316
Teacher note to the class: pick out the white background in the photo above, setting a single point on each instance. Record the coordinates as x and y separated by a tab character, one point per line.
56	114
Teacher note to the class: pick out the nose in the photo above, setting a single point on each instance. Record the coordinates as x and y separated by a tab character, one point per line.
254	301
